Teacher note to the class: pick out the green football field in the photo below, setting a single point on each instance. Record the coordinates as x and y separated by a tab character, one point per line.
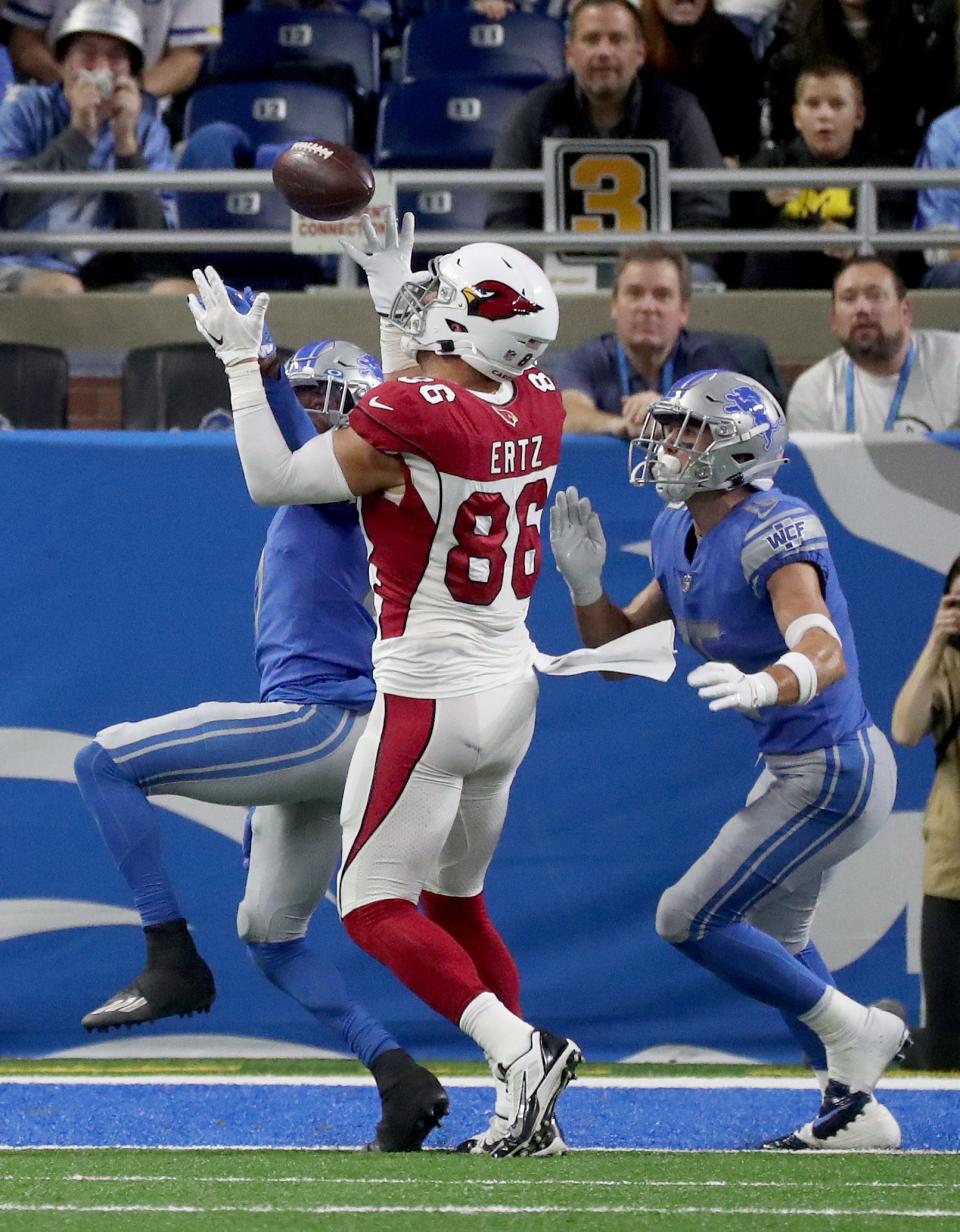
285	1191
271	1188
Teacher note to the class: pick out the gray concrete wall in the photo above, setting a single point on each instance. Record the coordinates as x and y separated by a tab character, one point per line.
794	324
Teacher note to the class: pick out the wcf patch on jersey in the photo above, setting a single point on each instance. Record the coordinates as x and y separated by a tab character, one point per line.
786	536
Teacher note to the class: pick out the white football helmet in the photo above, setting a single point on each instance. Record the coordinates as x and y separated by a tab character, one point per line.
340	371
734	434
487	303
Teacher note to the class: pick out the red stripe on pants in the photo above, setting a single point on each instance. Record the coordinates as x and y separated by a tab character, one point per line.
407	728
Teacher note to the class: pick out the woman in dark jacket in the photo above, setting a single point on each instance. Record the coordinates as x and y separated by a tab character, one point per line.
690	44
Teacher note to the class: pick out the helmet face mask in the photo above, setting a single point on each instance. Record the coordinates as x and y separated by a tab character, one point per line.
486	303
713	432
334	375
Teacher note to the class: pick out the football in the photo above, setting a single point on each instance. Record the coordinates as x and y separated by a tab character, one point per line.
323	179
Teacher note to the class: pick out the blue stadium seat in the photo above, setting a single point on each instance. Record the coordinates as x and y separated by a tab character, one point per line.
246	209
524	47
337	49
445	209
443	123
273	110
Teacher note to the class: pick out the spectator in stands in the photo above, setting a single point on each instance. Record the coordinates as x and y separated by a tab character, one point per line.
904	52
828	115
940	207
929	703
755	19
887	376
176	34
608	93
609	382
93	120
690	44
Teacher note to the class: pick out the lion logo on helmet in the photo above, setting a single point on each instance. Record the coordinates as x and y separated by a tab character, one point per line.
744	398
495	301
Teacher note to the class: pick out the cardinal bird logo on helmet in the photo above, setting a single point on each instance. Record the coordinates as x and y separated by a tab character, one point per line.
495	301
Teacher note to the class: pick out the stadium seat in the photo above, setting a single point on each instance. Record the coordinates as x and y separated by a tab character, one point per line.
523	48
33	385
443	123
270	111
445	209
171	386
224	146
335	49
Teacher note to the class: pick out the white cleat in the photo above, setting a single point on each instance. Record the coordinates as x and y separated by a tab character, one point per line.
548	1142
534	1083
859	1063
858	1123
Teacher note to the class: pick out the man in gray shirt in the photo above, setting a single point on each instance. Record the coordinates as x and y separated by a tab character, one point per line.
887	376
608	93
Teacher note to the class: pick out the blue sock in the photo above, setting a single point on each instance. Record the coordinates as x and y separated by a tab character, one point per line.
318	986
810	1042
754	963
130	828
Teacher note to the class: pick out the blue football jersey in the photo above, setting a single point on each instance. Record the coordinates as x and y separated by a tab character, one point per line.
313	628
722	609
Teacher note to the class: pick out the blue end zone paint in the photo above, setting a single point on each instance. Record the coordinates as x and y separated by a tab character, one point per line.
182	1115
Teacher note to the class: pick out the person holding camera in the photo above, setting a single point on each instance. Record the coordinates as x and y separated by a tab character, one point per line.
930	702
94	120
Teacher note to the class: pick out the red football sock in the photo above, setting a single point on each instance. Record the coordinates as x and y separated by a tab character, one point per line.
467	921
420	954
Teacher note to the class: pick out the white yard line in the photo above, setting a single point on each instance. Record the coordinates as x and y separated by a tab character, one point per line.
498	1183
451	1209
894	1082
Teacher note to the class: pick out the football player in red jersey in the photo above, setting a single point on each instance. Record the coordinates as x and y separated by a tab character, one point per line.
452	465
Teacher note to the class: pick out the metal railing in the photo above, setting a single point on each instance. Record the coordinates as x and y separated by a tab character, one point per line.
865	234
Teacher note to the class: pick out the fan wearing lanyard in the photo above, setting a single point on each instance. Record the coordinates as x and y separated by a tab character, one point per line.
626	374
894	410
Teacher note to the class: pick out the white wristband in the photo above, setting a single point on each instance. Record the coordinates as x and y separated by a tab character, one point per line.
813	620
246	387
586	593
393	358
805	673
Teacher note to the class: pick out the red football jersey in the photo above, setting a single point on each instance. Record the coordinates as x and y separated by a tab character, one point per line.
454	554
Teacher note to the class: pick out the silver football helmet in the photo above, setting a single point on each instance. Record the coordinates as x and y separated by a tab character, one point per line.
731	431
487	303
340	372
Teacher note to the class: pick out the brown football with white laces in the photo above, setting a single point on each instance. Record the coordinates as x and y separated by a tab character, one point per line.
323	180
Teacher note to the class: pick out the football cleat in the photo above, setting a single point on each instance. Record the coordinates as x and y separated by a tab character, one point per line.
174	981
549	1141
859	1063
412	1102
845	1122
534	1083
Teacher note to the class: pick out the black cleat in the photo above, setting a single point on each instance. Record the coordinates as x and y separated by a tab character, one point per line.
412	1101
174	980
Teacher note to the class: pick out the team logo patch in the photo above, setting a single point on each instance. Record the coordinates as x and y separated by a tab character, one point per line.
686	582
495	301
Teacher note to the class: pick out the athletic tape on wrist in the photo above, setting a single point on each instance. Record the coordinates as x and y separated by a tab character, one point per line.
587	593
805	673
392	355
813	620
246	387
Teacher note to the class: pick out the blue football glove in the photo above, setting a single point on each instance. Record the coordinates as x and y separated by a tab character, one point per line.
243	302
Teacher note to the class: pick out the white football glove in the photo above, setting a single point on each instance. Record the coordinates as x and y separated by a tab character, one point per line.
726	687
579	546
234	336
387	264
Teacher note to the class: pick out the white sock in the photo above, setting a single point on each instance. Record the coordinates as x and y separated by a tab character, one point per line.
822	1078
501	1034
836	1018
